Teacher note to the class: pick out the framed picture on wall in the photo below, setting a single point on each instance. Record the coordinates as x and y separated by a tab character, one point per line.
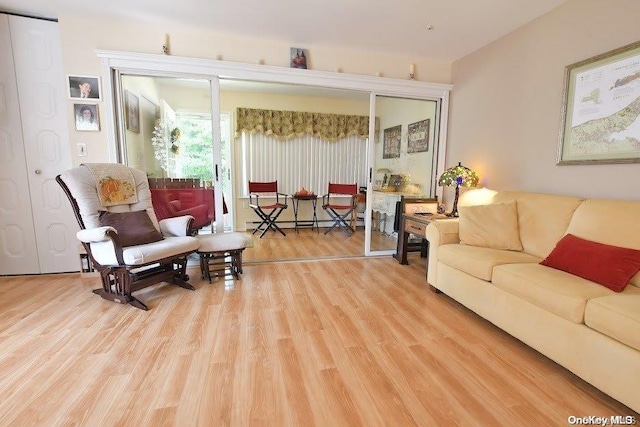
86	117
84	87
601	109
132	111
391	142
418	139
298	57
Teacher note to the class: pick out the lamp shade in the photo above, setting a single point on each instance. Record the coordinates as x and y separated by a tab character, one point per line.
458	176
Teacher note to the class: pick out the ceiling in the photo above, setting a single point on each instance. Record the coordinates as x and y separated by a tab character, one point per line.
436	29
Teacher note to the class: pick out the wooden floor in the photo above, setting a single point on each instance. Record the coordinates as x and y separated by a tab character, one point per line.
311	244
352	342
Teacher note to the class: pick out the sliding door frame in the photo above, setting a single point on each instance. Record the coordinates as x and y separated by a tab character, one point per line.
115	63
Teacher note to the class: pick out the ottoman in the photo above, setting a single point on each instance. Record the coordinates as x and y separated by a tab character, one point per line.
220	252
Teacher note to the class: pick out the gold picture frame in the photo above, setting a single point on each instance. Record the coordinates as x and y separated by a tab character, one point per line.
601	109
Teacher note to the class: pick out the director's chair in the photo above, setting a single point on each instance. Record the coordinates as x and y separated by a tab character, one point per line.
340	211
268	213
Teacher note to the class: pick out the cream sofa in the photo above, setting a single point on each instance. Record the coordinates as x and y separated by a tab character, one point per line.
585	327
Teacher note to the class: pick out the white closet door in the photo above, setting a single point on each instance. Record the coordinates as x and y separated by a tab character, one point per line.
17	237
43	103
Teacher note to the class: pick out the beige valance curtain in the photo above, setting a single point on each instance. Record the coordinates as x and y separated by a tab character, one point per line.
285	125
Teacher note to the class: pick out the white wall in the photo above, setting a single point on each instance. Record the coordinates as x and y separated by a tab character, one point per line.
506	102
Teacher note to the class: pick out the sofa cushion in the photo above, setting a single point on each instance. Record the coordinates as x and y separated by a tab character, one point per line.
479	262
617	316
613	222
610	266
134	228
490	226
542	218
561	293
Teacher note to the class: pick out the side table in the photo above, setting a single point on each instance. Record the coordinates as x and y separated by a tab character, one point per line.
313	222
412	224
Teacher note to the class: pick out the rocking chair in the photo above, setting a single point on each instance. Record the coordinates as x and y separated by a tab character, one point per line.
120	233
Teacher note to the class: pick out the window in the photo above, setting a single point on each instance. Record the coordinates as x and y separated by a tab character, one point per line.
305	161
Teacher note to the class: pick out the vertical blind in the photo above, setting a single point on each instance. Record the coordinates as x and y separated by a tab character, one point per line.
304	161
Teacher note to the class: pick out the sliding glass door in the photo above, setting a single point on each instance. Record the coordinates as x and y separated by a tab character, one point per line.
167	131
288	133
403	162
133	109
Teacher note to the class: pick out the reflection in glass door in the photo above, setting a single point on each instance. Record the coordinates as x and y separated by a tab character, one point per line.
172	142
403	160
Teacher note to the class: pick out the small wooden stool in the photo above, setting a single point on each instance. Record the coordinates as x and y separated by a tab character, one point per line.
215	249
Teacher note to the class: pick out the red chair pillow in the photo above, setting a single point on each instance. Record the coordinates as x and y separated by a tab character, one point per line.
610	266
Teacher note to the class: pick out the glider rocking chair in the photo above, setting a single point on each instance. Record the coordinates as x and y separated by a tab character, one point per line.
120	233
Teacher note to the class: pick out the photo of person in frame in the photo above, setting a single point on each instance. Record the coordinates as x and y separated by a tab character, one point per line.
298	58
84	87
86	117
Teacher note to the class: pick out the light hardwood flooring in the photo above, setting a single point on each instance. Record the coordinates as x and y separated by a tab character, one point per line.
310	244
349	342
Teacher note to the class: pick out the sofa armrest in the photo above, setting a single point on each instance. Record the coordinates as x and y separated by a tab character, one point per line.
441	232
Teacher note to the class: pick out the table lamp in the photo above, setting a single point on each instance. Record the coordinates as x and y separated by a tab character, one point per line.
458	176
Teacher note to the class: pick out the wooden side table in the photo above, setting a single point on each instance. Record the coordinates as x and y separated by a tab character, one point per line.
313	222
412	224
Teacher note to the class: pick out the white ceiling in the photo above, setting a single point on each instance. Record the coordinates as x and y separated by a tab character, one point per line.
458	27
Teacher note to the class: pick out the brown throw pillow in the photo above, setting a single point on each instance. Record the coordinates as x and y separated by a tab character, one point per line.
134	228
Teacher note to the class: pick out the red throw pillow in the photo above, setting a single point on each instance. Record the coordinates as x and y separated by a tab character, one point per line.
610	266
134	228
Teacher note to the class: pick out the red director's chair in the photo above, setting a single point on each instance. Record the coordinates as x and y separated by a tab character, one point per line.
340	212
268	213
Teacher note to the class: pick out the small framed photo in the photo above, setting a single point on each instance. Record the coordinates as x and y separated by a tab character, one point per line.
84	87
86	117
391	142
418	139
298	58
132	111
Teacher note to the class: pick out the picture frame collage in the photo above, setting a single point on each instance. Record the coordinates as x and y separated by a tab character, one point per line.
417	139
87	91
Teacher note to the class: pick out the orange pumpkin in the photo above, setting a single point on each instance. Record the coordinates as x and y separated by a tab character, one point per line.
109	185
303	192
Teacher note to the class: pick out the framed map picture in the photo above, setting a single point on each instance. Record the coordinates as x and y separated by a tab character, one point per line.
418	140
601	110
391	142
